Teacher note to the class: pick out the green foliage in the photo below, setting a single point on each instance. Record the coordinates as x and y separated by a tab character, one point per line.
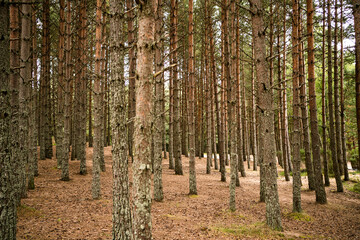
353	155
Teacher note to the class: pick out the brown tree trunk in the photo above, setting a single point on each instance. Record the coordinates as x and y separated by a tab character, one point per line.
342	109
315	138
323	108
142	134
97	106
336	97
207	94
60	149
67	97
132	65
284	122
356	13
8	176
331	108
14	84
304	110
266	118
240	140
192	170
83	83
231	90
296	109
24	97
176	105
222	96
122	226
158	127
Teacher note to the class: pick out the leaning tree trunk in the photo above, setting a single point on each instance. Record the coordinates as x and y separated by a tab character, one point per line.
142	134
122	226
266	118
8	215
315	138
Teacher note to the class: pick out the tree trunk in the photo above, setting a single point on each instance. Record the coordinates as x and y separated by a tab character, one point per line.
232	110
331	108
158	121
336	97
192	170
60	149
207	95
284	122
96	192
304	112
323	108
122	226
8	216
356	13
142	134
24	96
296	109
83	83
342	109
266	118
176	81
240	139
315	138
132	65
67	97
14	84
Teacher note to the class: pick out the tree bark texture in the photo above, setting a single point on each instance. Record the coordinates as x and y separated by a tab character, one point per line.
8	215
333	148
191	112
266	118
315	138
142	134
122	226
158	127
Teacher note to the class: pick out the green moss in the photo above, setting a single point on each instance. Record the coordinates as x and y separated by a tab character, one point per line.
28	212
302	216
354	187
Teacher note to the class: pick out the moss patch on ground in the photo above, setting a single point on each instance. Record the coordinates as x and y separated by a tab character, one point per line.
25	211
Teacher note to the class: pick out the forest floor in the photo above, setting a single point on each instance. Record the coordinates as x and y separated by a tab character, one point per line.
65	210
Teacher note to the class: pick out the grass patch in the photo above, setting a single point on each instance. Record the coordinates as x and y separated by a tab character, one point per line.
257	230
28	212
193	196
354	187
303	173
303	217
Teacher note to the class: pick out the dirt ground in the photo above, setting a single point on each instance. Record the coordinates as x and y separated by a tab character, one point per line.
65	210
